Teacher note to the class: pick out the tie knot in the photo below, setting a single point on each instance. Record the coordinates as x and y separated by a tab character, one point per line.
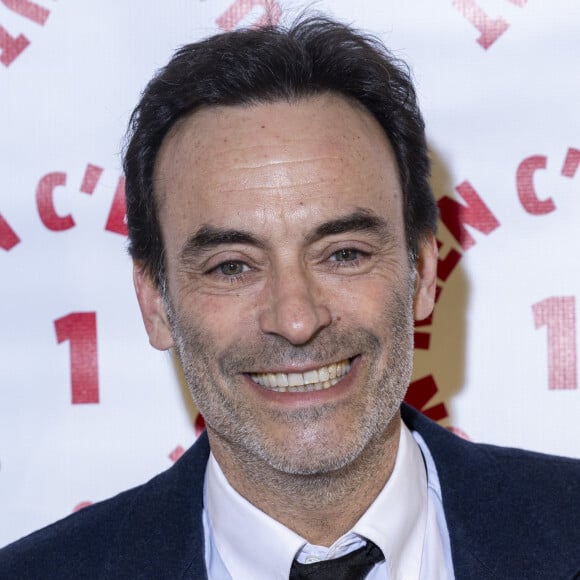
352	566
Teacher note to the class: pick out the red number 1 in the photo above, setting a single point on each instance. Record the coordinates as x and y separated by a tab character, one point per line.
80	328
558	314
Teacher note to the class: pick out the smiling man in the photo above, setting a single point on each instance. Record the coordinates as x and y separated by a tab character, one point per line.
289	298
283	236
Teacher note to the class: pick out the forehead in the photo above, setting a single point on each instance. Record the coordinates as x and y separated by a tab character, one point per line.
320	154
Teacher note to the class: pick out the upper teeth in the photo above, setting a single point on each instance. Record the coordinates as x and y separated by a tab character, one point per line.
314	380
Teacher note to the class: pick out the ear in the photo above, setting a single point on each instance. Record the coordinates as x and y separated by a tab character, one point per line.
426	277
152	308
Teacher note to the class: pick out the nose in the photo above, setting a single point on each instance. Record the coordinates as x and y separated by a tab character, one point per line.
294	307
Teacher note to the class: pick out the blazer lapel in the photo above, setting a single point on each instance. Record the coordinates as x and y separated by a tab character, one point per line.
161	536
468	498
506	509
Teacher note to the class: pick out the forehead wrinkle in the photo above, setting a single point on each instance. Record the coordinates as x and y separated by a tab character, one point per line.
284	175
275	162
272	150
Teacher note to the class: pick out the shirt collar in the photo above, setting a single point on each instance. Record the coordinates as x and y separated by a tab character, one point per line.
250	543
395	522
397	519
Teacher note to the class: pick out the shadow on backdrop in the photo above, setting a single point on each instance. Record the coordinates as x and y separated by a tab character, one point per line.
441	359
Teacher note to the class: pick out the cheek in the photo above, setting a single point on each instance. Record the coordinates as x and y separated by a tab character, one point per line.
360	303
225	319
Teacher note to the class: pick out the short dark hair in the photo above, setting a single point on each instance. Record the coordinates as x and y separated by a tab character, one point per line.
315	55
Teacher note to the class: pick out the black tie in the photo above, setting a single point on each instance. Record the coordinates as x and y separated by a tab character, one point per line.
352	566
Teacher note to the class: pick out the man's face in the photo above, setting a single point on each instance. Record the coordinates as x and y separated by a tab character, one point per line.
290	294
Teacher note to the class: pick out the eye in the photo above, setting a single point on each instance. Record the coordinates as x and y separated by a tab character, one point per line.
346	255
232	268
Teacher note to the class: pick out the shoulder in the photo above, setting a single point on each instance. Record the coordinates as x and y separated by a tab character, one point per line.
503	471
549	483
523	463
511	513
71	546
121	533
519	462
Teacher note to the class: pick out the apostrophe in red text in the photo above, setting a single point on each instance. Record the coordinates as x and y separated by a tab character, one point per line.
91	178
571	162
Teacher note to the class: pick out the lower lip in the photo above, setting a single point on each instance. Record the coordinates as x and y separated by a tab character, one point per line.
298	399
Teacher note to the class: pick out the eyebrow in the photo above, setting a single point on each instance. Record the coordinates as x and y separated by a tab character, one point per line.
360	220
207	237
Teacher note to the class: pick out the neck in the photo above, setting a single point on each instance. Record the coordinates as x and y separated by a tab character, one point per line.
320	507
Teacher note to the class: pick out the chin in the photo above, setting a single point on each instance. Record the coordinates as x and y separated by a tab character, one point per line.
316	451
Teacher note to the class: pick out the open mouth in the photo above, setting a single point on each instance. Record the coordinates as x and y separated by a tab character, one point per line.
314	380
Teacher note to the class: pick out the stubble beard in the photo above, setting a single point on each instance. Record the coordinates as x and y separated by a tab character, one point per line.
238	426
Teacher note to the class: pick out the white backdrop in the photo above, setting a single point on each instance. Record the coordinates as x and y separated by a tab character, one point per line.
87	408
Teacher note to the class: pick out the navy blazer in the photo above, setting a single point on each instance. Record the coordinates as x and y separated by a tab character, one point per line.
511	515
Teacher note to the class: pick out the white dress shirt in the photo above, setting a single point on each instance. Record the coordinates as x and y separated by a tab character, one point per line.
406	521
